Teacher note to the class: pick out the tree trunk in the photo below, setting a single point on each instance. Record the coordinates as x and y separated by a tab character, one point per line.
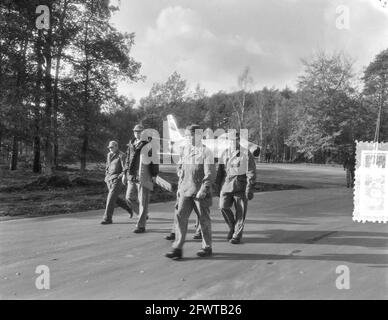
20	84
85	135
36	164
84	149
55	89
14	157
48	146
37	127
1	145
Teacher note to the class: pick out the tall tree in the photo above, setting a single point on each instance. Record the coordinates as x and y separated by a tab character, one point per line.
15	40
325	90
376	92
163	98
239	99
104	58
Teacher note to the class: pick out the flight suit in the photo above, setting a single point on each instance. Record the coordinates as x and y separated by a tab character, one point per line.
113	173
236	175
197	225
196	176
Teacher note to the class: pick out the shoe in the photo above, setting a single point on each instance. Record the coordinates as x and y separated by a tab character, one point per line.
175	254
139	230
230	235
205	252
171	236
106	222
197	236
234	241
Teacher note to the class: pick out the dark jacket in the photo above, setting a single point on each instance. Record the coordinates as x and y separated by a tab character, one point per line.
133	166
350	162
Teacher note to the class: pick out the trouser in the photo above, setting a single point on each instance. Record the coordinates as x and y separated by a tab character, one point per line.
236	221
197	224
137	197
185	207
349	178
115	187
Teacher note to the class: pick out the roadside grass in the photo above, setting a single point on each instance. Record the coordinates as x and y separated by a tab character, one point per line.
26	194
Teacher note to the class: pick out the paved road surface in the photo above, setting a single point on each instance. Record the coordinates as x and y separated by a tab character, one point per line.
293	243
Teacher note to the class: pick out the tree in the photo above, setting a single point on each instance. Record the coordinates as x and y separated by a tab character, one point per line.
326	90
239	99
122	117
54	83
219	111
376	91
104	58
15	44
163	98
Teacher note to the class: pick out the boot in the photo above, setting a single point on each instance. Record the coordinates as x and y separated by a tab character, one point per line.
175	254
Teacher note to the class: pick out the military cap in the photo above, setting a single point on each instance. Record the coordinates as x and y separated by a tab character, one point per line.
138	127
113	144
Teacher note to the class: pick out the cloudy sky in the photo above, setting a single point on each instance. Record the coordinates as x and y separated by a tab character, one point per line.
210	42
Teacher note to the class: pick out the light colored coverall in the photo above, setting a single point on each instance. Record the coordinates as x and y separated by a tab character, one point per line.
196	166
236	175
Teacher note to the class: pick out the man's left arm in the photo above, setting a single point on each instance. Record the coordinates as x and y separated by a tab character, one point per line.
122	158
107	167
127	159
251	176
207	180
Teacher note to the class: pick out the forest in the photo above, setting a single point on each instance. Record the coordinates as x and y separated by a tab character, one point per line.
59	100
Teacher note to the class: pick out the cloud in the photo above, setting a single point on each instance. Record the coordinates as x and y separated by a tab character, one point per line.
175	22
211	42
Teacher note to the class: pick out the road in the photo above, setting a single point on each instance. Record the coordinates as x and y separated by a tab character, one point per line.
294	243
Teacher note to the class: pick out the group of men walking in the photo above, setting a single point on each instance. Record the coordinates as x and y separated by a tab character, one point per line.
233	180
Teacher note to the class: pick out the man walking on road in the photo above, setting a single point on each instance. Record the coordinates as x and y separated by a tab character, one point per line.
235	179
197	235
113	173
194	190
350	167
139	177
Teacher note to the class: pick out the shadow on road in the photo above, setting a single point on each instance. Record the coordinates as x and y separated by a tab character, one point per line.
322	237
377	259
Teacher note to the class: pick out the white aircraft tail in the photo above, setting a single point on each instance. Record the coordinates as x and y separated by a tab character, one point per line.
173	131
217	146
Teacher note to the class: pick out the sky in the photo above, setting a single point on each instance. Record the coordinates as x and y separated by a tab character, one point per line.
211	42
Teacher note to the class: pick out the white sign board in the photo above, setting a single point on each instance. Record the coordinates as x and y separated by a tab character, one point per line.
371	183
